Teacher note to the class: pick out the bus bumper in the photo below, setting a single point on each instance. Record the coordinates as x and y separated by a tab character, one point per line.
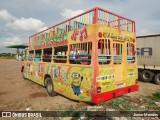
101	97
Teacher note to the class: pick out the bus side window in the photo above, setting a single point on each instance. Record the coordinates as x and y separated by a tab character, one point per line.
104	51
47	55
117	52
130	53
60	54
31	56
38	55
80	53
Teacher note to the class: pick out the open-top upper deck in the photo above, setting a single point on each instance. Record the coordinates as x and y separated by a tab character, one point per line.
96	15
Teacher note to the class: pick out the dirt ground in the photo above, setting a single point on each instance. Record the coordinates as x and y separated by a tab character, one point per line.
19	94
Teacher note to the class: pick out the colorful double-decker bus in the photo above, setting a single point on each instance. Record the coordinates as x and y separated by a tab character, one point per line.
90	57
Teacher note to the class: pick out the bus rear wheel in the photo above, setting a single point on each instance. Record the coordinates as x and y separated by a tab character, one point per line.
147	75
157	79
50	87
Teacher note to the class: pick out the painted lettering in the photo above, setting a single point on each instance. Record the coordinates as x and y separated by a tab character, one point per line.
114	36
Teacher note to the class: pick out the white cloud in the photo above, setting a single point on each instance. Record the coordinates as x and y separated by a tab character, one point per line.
12	41
43	28
68	13
62	3
6	16
26	24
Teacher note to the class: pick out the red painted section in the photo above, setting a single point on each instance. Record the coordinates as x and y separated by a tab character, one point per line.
134	27
95	15
99	98
95	63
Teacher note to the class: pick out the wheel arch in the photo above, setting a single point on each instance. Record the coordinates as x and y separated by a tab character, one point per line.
45	81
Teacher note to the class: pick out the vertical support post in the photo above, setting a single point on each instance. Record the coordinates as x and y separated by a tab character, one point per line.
125	22
104	47
95	15
114	21
42	55
87	48
109	16
101	47
69	25
107	47
34	55
118	22
85	19
105	18
134	27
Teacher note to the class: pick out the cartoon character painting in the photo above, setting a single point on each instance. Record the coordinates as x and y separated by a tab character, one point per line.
76	83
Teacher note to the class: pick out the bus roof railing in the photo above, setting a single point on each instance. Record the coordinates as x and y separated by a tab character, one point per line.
94	17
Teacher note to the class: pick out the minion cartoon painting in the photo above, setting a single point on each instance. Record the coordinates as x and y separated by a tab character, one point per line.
76	83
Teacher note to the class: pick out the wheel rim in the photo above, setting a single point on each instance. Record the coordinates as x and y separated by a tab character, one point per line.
146	75
49	87
158	78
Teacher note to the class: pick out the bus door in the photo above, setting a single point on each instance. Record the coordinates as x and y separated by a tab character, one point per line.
118	62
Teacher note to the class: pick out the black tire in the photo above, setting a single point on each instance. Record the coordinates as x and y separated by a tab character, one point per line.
24	77
139	76
50	87
147	75
157	79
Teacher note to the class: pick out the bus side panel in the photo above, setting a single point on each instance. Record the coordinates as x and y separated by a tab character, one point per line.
28	70
34	71
73	82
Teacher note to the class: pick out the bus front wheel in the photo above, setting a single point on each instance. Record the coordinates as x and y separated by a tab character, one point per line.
50	87
24	76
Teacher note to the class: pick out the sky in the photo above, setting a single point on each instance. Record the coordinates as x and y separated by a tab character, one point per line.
20	19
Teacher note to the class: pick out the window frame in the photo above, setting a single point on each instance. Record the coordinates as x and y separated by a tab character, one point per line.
47	58
117	53
105	52
131	50
81	53
57	56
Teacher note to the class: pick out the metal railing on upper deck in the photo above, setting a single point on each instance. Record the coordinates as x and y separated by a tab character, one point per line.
95	15
79	21
110	19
